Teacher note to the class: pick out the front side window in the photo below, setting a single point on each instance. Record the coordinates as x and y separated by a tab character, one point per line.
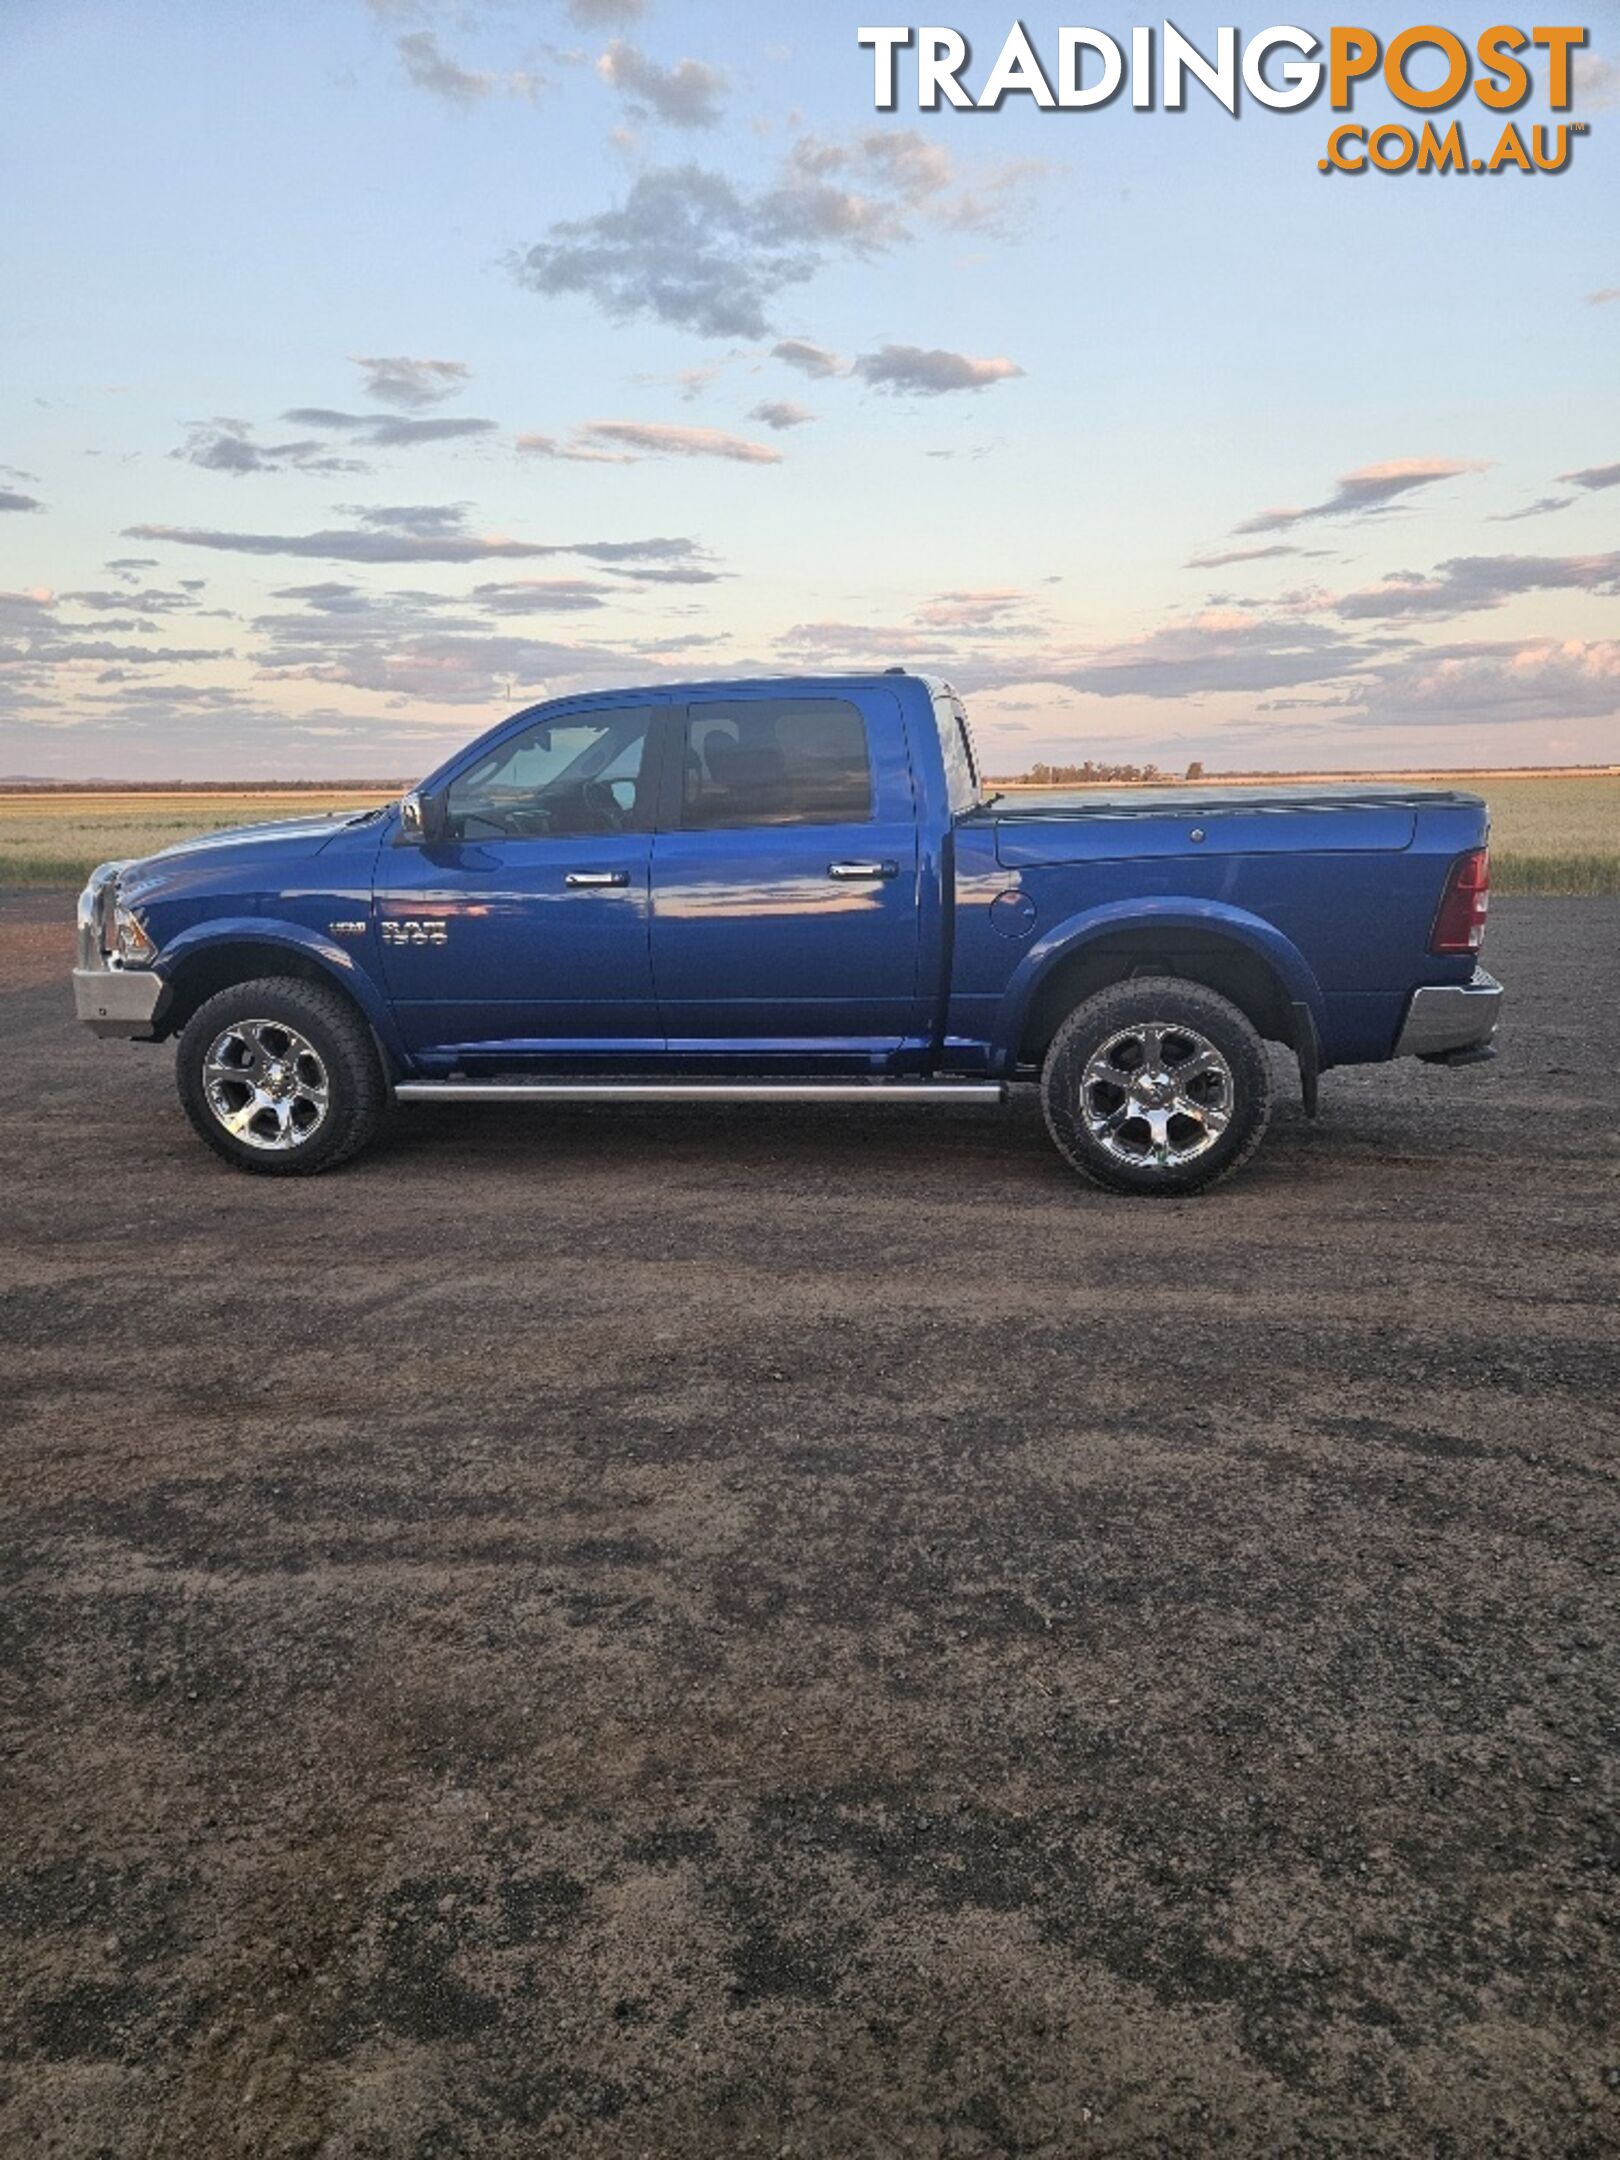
580	773
775	761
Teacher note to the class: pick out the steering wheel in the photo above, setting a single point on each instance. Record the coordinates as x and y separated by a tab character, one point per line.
598	798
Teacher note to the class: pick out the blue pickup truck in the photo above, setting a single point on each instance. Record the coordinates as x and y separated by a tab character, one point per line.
795	891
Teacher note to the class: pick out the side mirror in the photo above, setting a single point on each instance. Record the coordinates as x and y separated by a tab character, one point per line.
422	817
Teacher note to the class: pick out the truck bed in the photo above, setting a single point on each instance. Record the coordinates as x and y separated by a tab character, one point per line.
1213	801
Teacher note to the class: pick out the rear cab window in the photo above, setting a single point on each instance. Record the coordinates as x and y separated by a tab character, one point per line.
956	747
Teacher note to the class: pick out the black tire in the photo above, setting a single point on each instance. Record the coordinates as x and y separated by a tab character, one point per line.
1124	1161
350	1096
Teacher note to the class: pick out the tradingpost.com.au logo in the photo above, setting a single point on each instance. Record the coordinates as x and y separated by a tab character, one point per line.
1426	69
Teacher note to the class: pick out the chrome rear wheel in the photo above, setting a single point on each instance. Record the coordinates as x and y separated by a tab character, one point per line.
1156	1094
1156	1085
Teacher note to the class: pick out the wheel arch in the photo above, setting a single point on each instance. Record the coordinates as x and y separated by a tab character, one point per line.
1241	956
198	966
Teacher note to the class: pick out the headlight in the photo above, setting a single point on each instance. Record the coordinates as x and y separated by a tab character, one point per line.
130	942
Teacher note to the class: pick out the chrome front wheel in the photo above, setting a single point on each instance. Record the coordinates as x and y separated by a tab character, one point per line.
266	1084
281	1076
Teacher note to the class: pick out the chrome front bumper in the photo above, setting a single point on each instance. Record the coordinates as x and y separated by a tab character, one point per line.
109	1000
1452	1020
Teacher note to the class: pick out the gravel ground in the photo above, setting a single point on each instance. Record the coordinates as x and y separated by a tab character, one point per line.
729	1632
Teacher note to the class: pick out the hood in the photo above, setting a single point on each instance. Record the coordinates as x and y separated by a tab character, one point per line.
287	836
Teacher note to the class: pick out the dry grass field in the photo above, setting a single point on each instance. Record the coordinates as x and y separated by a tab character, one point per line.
1556	834
56	837
1550	835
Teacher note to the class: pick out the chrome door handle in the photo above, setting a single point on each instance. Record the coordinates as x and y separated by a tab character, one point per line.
592	880
862	869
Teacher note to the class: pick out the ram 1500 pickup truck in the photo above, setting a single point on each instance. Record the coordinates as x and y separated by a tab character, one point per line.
795	891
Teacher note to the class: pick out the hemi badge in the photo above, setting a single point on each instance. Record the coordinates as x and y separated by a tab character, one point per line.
347	929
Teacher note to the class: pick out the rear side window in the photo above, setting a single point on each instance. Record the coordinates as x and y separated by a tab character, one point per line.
775	761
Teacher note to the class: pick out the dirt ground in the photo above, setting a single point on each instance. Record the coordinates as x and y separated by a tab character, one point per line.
736	1632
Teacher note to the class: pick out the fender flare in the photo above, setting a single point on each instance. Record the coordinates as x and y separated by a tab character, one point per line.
332	959
1263	940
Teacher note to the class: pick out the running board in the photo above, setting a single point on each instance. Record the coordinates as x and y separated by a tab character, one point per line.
726	1091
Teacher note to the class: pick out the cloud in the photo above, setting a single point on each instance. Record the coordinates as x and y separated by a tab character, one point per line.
1539	508
902	166
37	640
986	612
863	645
780	413
410	384
12	499
1370	489
912	371
329	596
1468	583
670	573
1603	296
595	14
550	446
812	360
410	517
381	431
1215	652
421	646
1237	555
228	446
24	611
1594	476
153	600
435	532
685	247
649	438
686	95
447	542
432	69
627	442
542	596
692	248
1497	684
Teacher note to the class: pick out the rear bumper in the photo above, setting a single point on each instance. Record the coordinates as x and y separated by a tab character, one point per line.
116	1001
1452	1020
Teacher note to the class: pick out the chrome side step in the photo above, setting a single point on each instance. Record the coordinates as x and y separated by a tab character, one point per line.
726	1091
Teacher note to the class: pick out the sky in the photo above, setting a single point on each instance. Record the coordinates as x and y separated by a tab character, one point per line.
373	368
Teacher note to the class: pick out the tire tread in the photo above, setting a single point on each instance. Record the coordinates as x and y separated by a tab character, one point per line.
1116	1007
360	1088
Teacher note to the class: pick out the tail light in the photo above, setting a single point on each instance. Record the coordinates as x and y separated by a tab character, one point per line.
1459	923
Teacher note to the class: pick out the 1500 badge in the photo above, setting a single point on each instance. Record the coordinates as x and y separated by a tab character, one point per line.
408	930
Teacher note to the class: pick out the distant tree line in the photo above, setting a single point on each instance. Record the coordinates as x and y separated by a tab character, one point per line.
1091	773
1088	773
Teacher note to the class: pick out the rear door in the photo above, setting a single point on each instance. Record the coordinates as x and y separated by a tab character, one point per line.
784	878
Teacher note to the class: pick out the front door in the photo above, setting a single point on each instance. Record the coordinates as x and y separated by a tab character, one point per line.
785	916
523	933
